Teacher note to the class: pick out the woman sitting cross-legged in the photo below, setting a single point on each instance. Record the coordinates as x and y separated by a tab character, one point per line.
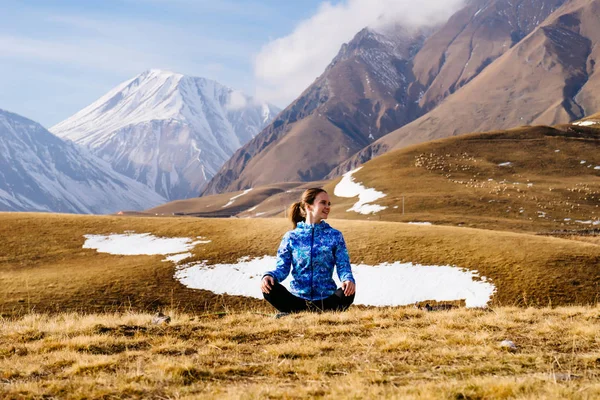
310	251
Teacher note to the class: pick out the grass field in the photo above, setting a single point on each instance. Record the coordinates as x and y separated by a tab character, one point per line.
43	267
379	353
75	323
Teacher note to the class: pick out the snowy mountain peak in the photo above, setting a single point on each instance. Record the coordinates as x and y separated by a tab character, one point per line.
167	130
160	72
40	172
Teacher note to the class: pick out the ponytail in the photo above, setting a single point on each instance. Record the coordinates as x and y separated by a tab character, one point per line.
298	210
297	213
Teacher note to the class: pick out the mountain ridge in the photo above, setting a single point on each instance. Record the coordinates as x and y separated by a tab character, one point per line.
169	131
425	73
44	173
362	95
534	83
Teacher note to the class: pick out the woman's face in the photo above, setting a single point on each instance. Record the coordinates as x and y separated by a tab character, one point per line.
320	208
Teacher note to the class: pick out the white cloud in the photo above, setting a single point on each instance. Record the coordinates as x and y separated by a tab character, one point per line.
236	101
286	66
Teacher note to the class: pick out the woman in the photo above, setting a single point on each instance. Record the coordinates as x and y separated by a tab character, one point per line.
311	251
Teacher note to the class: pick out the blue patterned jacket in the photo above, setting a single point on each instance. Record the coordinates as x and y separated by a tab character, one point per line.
311	252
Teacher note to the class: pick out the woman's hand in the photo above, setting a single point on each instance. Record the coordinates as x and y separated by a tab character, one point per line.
267	283
349	288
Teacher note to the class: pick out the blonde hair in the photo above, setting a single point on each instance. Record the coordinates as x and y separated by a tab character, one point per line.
298	209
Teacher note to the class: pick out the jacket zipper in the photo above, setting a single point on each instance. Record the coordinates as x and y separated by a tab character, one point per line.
312	242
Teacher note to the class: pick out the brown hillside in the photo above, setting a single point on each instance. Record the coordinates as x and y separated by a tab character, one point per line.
44	267
551	181
221	205
547	78
471	40
593	117
459	181
379	82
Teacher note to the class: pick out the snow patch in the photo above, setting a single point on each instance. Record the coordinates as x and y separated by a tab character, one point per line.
135	244
232	200
505	164
386	284
420	223
586	123
588	222
349	188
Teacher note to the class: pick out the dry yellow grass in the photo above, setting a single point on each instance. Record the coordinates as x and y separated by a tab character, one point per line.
380	353
549	184
43	267
588	239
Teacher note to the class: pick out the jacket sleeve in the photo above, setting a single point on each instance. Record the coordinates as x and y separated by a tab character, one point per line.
342	261
284	260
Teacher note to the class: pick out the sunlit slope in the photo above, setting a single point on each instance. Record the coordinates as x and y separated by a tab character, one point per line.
592	121
534	179
43	266
531	178
263	201
222	205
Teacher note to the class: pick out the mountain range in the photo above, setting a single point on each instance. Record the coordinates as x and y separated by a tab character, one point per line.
547	78
495	64
168	131
40	172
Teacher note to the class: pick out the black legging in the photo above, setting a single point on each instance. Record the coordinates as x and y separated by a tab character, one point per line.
284	301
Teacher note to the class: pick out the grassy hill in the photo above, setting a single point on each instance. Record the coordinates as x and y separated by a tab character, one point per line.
531	179
385	353
45	269
535	179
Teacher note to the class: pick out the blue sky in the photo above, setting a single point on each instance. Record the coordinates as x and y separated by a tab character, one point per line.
56	57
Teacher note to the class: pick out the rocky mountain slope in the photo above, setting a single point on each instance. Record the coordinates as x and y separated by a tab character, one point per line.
548	77
472	39
366	91
430	66
168	131
40	172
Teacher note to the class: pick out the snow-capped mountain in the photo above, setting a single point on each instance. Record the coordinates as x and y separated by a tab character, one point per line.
41	172
168	131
